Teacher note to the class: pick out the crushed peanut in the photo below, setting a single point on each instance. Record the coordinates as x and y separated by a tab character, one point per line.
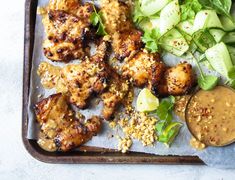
180	106
112	124
124	144
138	126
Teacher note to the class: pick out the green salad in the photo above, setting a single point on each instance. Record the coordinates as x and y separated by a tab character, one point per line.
188	27
202	30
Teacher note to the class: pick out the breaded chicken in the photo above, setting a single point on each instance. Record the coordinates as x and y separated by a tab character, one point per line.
70	6
89	77
82	80
177	80
144	69
125	38
114	95
79	81
67	25
60	129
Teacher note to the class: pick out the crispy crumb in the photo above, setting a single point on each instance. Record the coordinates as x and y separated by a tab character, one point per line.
180	106
112	124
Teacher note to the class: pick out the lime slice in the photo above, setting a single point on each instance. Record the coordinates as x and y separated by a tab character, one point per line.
146	101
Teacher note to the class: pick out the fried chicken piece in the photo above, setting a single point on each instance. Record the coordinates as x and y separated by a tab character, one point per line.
70	6
147	69
177	80
60	129
79	81
125	38
89	77
144	69
83	80
115	94
67	25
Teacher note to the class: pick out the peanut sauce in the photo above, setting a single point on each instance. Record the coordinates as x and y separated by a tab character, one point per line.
210	116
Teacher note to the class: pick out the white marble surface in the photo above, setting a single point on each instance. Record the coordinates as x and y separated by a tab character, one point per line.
16	163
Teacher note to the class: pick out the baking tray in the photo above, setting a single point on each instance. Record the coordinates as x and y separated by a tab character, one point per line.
85	154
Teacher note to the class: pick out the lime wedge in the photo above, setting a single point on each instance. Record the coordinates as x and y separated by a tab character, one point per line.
146	101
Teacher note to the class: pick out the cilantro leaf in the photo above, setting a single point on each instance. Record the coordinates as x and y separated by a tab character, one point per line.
231	73
165	128
160	127
207	82
96	20
150	39
138	15
231	83
189	8
170	132
165	108
220	6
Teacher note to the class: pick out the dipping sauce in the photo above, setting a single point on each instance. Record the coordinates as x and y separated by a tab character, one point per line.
210	116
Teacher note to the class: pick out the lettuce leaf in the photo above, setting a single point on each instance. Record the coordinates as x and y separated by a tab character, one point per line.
189	9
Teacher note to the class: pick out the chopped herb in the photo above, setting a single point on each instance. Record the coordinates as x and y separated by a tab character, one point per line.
206	82
165	108
220	6
150	39
170	132
231	73
189	8
138	15
96	20
231	83
165	128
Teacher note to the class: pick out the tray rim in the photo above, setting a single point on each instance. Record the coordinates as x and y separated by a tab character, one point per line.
106	157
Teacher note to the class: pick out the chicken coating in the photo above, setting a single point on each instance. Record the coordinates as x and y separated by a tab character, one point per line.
125	38
79	81
177	80
84	79
70	6
144	69
67	26
59	128
114	95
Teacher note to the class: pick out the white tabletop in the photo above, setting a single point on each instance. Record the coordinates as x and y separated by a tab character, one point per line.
16	163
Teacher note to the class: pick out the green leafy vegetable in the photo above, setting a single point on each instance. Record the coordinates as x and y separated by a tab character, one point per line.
231	83
221	6
189	8
231	73
165	108
150	39
165	128
138	15
170	132
96	20
206	82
